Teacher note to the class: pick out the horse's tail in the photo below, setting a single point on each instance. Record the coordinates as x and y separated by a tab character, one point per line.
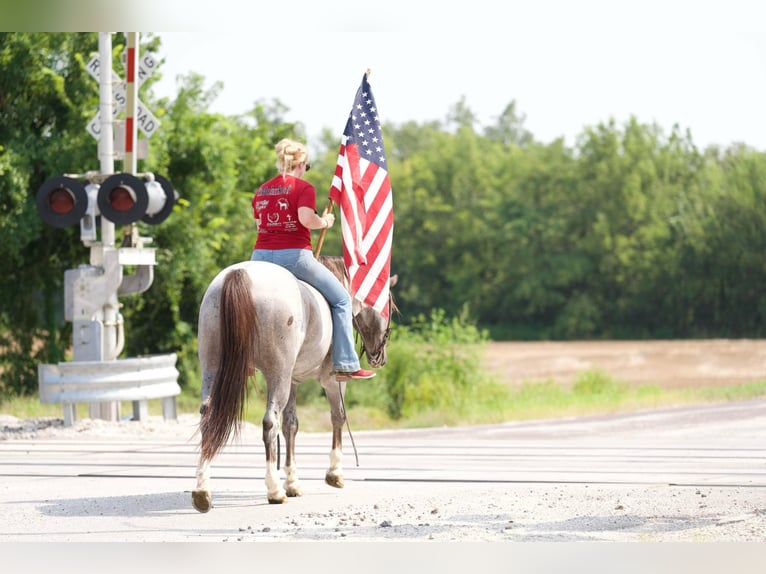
225	410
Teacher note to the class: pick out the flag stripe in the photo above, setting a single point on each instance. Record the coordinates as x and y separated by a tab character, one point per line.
378	255
374	281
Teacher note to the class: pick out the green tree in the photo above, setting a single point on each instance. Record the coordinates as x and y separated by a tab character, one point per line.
723	262
509	128
46	97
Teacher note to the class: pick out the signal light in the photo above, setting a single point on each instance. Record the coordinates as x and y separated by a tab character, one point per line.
62	201
123	198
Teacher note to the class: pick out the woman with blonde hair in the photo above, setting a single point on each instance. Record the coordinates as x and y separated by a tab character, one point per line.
285	211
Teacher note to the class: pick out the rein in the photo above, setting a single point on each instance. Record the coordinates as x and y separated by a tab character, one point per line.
348	426
362	353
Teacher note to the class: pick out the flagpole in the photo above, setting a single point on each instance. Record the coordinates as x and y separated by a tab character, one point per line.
320	241
330	203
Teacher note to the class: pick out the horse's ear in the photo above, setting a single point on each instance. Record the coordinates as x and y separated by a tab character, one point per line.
392	281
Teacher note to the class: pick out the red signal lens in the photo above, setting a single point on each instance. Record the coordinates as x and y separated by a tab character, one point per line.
121	199
61	201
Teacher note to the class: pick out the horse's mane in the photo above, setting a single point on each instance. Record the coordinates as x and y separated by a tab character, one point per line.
335	264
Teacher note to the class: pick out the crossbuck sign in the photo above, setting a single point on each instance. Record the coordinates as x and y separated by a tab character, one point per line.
145	120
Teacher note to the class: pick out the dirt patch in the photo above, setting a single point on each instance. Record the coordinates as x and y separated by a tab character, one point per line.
669	364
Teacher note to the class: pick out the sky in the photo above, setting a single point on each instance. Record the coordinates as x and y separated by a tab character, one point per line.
568	64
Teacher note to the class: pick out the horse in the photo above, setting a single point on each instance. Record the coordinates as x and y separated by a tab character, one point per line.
257	316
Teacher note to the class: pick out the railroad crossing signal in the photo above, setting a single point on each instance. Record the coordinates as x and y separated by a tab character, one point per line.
145	120
91	291
121	198
124	199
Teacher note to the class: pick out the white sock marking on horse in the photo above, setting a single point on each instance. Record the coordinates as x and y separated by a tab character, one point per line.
203	475
292	484
336	461
273	489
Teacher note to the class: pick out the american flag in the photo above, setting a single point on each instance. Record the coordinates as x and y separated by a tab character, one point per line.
362	189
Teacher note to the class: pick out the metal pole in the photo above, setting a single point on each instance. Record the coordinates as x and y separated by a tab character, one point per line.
110	310
106	108
106	158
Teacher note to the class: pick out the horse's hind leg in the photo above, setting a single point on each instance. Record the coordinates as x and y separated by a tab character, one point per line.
290	429
334	391
277	394
202	498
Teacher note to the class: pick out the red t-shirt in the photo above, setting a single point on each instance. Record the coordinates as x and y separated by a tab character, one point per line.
276	204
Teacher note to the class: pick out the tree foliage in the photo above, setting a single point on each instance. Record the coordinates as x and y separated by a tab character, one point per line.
631	231
45	96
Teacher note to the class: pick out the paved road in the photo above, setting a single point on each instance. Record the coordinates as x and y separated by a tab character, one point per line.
689	474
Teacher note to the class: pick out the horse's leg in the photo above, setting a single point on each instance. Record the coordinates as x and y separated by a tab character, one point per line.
289	430
202	498
335	391
277	394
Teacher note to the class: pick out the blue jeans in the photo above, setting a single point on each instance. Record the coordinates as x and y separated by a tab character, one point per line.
303	264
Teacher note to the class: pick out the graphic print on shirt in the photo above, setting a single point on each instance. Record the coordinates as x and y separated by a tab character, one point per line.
274	203
275	208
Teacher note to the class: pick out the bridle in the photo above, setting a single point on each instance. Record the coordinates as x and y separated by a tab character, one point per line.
386	333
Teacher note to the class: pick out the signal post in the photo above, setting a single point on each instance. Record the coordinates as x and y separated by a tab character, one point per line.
95	375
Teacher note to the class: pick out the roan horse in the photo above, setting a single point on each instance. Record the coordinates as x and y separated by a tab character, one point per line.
256	316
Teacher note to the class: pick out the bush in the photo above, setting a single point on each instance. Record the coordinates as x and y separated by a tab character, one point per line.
434	364
598	384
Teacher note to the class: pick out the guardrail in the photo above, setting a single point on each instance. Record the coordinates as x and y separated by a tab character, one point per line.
137	379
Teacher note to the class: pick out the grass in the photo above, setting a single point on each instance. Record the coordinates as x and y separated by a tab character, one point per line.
593	393
435	377
607	396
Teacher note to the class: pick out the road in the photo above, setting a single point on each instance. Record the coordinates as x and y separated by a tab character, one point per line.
687	474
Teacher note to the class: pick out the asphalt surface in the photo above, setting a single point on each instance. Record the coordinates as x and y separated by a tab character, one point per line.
689	474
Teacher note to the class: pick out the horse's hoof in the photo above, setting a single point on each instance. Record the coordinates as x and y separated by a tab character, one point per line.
202	500
294	491
278	500
334	480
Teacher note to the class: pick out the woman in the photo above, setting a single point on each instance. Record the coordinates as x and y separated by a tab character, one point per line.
285	210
